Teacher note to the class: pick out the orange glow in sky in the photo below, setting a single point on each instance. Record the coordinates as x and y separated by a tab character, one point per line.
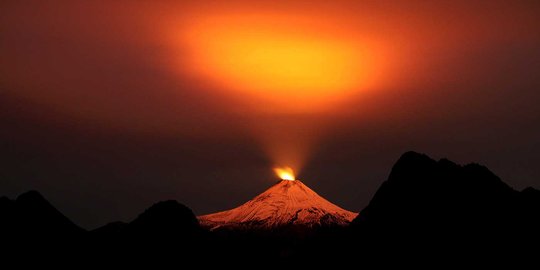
291	63
277	62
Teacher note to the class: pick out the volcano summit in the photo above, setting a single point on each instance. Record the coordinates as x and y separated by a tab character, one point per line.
284	204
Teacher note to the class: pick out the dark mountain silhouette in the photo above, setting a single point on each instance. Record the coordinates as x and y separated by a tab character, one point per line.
30	215
166	233
425	209
112	228
422	193
166	217
448	211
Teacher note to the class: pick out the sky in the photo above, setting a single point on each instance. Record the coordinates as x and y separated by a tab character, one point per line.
107	107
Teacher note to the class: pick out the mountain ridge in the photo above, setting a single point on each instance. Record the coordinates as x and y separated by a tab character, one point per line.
425	209
423	195
30	213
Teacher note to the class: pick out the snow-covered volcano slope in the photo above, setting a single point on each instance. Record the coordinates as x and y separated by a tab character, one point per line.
285	203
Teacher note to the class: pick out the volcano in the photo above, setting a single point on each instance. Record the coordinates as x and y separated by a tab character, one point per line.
287	203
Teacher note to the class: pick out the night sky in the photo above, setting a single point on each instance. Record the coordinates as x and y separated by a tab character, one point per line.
108	107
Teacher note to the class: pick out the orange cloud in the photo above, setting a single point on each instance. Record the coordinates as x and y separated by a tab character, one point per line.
279	62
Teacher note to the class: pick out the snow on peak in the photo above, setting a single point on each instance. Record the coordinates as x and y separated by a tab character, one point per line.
285	203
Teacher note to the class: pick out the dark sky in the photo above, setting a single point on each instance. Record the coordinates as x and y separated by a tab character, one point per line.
100	112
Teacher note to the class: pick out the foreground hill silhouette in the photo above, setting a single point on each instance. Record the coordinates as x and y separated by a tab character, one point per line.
442	210
31	215
422	194
167	232
426	208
